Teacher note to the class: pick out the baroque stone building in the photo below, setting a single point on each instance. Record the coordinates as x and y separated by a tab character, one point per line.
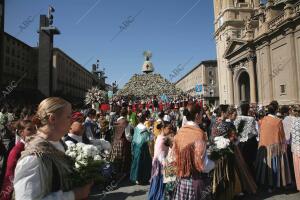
258	50
204	77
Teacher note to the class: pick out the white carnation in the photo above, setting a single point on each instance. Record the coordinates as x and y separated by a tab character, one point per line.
72	154
70	144
83	162
221	142
77	166
80	157
80	145
97	157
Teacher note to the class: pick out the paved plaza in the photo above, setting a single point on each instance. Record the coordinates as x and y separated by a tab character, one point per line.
127	191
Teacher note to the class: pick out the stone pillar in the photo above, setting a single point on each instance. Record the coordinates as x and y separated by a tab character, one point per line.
252	81
44	59
295	94
230	4
230	86
269	83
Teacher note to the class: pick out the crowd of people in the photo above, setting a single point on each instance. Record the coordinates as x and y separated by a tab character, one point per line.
169	147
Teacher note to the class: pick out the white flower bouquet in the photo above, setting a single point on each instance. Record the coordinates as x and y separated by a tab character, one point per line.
221	142
87	163
221	146
95	95
3	120
103	146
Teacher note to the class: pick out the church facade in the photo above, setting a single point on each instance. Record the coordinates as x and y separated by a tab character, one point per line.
258	51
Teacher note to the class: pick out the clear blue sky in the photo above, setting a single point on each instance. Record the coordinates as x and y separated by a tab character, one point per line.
176	31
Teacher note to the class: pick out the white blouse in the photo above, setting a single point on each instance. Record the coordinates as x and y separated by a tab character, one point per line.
28	182
287	126
295	136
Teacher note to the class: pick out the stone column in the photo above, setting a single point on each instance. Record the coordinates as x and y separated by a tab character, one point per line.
230	86
295	94
230	4
44	78
252	81
267	86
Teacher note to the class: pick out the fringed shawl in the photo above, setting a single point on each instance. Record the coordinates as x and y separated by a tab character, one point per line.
271	131
189	148
53	162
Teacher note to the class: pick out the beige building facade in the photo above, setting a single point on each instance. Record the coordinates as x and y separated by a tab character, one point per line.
19	73
259	62
19	64
204	79
70	78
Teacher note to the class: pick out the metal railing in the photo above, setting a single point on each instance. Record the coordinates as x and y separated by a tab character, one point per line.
276	21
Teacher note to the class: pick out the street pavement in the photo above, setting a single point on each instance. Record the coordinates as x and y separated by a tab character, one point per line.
127	191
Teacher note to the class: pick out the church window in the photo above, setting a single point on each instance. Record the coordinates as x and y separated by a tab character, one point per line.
282	89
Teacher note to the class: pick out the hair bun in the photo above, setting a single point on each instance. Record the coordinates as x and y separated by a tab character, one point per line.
36	121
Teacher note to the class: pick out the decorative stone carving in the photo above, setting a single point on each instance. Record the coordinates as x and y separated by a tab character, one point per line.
248	25
239	66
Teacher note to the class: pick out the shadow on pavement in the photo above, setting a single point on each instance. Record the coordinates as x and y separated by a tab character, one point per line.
278	193
123	196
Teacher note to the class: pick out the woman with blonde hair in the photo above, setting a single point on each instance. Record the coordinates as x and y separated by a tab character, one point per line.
43	171
295	144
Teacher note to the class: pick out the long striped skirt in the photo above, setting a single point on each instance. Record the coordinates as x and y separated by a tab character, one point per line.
121	156
272	166
156	191
193	188
296	159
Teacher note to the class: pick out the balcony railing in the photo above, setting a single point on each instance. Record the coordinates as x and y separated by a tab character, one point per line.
276	21
280	19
